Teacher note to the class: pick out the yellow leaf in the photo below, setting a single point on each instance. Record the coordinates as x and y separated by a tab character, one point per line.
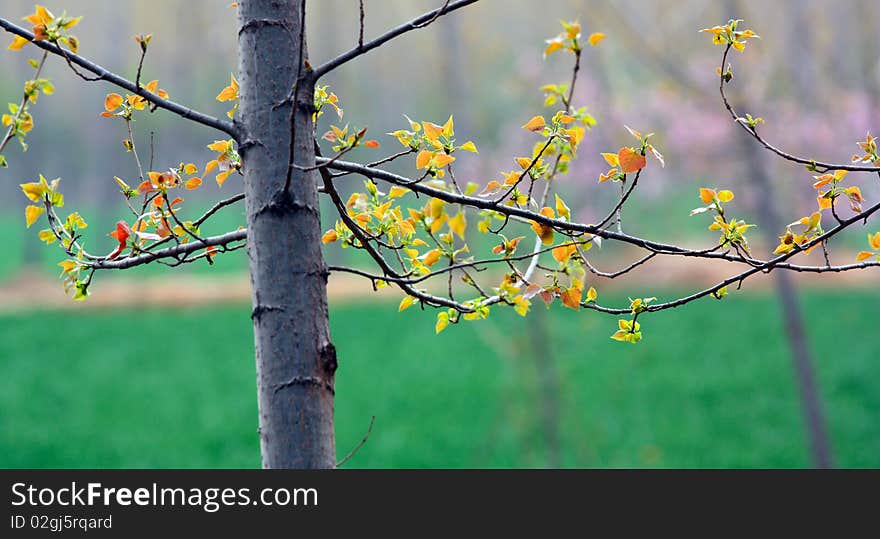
537	123
563	253
592	295
190	168
34	191
406	303
523	162
396	192
521	305
707	195
413	125
595	38
47	236
864	255
442	321
438	223
544	232
630	161
621	335
67	266
423	158
380	211
32	213
330	236
458	224
448	128
41	16
17	43
431	257
562	209
874	241
221	177
442	159
230	93
432	131
218	146
611	159
725	195
783	248
575	135
469	146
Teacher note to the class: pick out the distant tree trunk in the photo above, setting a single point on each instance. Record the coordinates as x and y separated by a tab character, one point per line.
811	402
295	359
811	405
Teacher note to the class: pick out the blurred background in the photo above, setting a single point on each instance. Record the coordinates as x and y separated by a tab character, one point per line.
156	369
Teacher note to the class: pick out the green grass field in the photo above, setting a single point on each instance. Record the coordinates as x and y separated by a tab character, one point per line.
710	386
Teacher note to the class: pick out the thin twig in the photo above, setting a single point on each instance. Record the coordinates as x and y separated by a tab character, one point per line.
418	22
363	440
106	75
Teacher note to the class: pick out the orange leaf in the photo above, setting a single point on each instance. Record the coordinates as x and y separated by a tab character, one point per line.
523	162
329	237
112	102
630	161
571	298
707	195
553	45
431	257
537	123
122	233
563	253
193	183
595	38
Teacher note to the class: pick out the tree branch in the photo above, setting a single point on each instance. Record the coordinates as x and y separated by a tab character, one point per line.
818	165
414	24
169	252
103	74
558	224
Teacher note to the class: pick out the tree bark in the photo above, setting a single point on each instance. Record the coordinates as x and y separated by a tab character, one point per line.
295	358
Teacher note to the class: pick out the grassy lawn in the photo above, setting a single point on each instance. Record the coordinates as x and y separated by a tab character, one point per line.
710	386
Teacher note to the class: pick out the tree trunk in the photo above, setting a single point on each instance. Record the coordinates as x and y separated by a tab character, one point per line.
792	318
295	359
